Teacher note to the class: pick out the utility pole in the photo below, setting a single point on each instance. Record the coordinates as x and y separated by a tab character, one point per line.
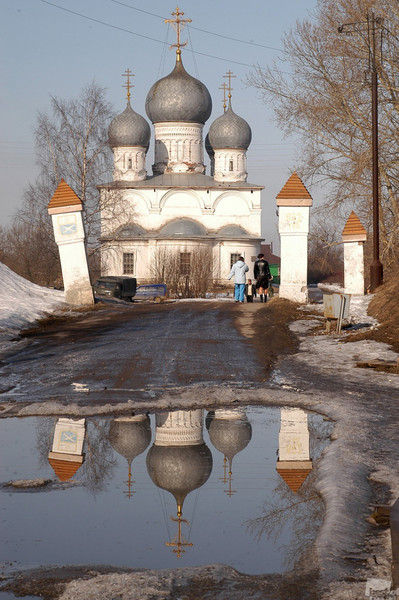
376	268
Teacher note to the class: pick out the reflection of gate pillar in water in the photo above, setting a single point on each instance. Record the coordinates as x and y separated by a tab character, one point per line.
294	202
294	463
179	462
66	455
66	209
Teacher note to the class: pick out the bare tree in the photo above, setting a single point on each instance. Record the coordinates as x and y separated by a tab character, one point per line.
320	90
188	272
71	144
325	256
31	251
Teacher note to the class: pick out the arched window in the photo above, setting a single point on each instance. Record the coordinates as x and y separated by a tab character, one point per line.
231	165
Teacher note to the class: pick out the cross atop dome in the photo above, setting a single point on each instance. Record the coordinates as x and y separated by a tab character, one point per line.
224	87
229	75
177	25
128	84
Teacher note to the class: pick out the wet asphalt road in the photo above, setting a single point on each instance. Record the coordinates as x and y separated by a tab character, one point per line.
131	352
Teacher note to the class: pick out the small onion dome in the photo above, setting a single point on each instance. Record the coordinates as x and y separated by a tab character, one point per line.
230	436
129	129
179	469
130	437
178	97
208	147
229	131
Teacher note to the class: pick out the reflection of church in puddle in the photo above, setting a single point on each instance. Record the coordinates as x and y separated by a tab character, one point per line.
230	432
129	437
179	461
294	464
66	455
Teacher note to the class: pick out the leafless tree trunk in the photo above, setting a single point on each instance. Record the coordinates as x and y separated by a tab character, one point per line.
321	89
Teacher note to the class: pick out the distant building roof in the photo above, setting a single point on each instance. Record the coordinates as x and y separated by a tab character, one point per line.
271	258
64	196
294	192
354	230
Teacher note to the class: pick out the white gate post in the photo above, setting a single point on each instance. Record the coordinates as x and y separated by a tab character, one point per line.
354	235
65	209
294	202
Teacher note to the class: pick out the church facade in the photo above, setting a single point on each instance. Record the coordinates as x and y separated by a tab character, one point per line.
179	208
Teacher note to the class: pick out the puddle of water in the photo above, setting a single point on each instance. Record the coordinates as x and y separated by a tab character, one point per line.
202	487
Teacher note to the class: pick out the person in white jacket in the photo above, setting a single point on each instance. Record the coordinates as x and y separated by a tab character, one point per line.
238	270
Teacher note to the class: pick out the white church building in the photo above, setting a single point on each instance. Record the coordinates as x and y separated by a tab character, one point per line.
179	207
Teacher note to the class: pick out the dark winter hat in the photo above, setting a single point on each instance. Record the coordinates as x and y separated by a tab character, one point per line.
261	255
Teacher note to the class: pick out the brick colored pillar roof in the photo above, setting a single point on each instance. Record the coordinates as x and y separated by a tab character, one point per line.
354	230
294	193
64	196
294	478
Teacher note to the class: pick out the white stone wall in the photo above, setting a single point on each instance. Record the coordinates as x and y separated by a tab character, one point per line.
178	148
230	165
354	268
293	439
179	428
294	230
152	209
69	436
129	163
69	235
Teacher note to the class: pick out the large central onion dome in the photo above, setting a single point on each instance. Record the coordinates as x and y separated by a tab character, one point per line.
178	97
129	129
229	131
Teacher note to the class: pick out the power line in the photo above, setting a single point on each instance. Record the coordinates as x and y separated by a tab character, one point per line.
228	60
226	37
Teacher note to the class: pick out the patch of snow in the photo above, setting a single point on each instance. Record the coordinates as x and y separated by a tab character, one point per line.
21	304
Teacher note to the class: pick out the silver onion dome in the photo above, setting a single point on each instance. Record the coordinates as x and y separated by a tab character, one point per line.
230	436
178	97
179	469
130	437
229	131
129	129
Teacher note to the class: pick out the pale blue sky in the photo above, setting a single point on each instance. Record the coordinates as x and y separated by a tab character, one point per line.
47	50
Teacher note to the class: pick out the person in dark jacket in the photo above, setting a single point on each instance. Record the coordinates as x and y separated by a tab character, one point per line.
250	291
263	276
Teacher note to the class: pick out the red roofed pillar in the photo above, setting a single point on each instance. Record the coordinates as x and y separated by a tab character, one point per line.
65	209
354	235
294	202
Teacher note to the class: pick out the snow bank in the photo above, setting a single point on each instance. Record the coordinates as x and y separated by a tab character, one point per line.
22	303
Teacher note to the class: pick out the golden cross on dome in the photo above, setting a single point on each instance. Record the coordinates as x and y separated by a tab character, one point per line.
128	73
177	25
224	87
179	543
229	76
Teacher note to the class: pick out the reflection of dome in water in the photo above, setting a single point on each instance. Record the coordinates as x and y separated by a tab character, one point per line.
230	436
179	470
130	436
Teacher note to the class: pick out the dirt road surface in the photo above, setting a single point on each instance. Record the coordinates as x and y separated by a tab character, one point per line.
213	354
